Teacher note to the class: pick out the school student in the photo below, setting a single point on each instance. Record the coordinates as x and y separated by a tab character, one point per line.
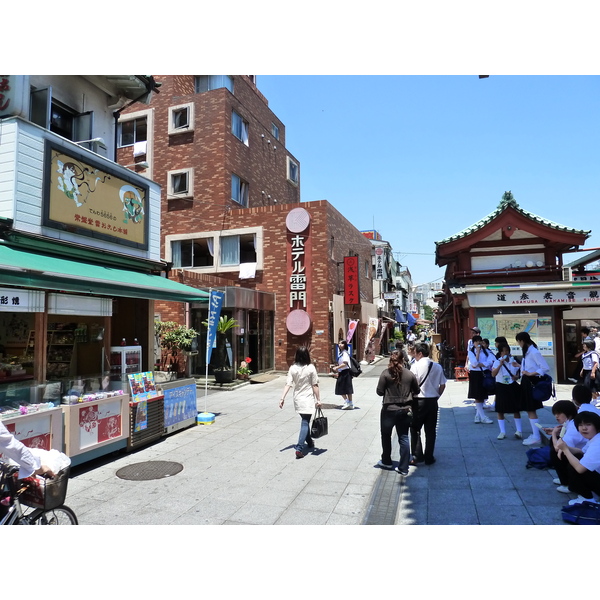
564	412
584	464
479	360
533	367
508	390
589	372
582	398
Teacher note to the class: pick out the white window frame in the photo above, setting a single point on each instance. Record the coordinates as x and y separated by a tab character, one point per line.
243	137
290	178
189	193
217	235
189	107
214	83
244	191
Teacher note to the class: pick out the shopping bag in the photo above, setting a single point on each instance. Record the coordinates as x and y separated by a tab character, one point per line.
319	426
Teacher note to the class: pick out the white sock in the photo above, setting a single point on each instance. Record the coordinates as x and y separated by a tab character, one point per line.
534	429
518	425
502	425
479	409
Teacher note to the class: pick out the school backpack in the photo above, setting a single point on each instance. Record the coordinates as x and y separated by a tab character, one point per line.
539	458
355	369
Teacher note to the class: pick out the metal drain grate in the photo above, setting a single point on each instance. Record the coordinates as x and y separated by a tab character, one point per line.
156	469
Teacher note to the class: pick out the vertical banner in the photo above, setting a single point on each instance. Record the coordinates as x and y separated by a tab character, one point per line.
351	280
351	328
214	312
380	271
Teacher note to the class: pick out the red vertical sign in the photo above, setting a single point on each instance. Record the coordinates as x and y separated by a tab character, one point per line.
351	289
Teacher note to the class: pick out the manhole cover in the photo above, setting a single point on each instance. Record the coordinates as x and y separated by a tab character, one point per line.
156	469
330	405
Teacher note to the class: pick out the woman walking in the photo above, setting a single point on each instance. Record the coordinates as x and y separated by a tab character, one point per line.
343	385
302	376
508	391
480	360
398	386
533	367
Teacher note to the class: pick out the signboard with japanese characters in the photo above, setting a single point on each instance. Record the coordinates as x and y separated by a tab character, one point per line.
351	280
99	423
575	295
15	300
299	256
14	96
380	272
88	199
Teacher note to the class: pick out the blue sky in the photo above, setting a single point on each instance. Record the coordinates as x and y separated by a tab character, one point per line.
419	158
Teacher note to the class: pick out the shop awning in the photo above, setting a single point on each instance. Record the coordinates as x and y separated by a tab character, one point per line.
28	269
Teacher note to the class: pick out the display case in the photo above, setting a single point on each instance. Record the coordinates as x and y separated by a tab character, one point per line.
40	429
125	360
96	427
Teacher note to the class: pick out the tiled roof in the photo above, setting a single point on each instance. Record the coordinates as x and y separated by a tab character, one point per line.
508	200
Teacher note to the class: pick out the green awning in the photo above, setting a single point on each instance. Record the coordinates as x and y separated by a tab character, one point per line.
28	269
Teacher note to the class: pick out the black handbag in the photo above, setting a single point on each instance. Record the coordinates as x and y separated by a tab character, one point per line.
319	426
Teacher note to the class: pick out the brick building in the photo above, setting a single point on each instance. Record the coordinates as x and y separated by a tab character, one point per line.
228	187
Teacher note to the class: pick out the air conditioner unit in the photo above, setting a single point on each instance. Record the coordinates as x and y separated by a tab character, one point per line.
567	274
331	306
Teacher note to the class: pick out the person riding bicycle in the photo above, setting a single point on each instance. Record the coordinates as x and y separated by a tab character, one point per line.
29	464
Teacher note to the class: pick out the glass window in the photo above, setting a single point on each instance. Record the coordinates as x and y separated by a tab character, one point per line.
192	253
130	132
292	171
239	127
230	250
239	190
180	183
275	131
206	83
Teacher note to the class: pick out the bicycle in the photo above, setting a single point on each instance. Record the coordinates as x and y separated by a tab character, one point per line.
32	501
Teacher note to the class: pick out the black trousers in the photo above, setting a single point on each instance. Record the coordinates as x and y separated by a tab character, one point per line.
561	465
584	483
425	417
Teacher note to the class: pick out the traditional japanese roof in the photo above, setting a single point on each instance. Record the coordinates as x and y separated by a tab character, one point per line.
506	202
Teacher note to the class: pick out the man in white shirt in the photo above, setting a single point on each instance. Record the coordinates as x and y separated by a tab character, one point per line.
432	382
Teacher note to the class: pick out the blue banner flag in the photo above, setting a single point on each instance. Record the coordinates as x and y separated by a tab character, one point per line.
214	312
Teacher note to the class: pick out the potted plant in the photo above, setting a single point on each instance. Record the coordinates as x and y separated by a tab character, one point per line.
244	371
222	370
175	341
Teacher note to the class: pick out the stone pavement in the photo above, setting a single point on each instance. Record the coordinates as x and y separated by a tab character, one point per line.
242	469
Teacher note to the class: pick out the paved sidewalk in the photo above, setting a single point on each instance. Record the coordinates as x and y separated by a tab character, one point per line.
242	469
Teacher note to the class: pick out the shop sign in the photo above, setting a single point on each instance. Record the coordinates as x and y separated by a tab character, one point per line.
351	280
99	423
90	199
504	297
298	276
587	277
14	96
14	300
380	264
180	404
33	432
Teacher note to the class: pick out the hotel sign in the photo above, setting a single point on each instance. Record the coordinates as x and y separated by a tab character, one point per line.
88	198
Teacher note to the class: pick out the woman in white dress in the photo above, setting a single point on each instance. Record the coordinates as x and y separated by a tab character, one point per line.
302	376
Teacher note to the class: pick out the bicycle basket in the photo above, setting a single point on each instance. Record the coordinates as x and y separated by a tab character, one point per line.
46	493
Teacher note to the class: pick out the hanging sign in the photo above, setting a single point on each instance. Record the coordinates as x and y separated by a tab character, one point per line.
214	312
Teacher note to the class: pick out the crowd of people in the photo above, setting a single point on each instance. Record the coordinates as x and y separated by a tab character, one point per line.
412	384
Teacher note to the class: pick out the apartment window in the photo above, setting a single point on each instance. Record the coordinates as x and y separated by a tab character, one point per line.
367	269
206	83
181	118
239	127
193	253
130	132
292	171
180	184
236	249
216	251
275	131
239	190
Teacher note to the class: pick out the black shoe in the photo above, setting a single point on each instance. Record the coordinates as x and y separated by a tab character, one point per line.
299	454
310	445
430	461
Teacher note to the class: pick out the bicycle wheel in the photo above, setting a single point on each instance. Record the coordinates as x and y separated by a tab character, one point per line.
62	515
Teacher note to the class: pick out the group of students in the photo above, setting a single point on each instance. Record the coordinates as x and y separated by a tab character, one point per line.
575	447
511	397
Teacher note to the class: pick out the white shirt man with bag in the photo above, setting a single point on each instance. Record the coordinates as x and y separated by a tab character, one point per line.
432	382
